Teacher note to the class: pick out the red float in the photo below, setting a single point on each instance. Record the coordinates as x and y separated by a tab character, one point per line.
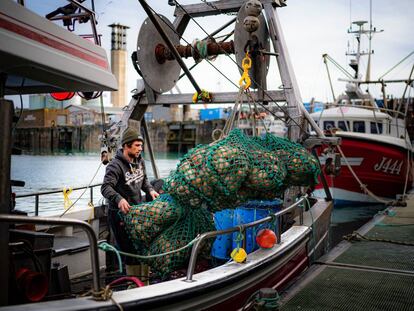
62	95
266	238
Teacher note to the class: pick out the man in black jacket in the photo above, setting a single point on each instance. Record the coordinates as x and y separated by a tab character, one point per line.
124	179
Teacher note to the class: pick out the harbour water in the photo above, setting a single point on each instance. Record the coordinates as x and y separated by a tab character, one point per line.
49	173
46	173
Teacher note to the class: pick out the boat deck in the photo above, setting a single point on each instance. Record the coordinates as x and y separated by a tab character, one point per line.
366	274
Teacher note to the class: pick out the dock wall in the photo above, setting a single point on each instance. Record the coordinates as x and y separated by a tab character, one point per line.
165	137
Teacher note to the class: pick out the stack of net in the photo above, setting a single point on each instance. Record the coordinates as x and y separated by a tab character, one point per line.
146	221
227	173
302	167
178	235
211	178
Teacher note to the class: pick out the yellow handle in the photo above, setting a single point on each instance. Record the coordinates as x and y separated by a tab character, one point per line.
245	80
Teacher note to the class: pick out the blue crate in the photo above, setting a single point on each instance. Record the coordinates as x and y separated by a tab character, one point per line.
248	212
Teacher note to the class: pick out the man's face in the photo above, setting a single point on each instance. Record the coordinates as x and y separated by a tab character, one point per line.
135	149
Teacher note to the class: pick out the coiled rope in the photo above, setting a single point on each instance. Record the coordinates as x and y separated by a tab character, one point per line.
356	236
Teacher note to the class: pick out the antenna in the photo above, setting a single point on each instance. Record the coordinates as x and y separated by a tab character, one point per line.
368	74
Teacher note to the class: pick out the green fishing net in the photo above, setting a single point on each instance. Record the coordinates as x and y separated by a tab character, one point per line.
178	235
210	178
301	166
146	221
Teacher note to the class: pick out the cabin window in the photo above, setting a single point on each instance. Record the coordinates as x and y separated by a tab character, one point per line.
327	125
376	128
359	126
343	126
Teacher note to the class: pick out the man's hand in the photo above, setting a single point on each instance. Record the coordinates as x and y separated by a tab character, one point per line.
124	206
154	194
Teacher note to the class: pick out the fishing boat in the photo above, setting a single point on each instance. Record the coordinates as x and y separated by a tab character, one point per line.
376	149
42	57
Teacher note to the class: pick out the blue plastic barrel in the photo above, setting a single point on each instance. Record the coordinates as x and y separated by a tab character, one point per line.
222	245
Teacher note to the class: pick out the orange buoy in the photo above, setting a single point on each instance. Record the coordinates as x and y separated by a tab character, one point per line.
266	238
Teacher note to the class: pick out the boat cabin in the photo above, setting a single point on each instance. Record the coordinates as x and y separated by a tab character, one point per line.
357	120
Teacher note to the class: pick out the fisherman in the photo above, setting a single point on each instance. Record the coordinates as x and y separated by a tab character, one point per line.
124	179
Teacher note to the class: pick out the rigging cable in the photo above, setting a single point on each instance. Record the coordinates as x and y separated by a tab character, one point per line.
264	91
258	84
396	65
409	147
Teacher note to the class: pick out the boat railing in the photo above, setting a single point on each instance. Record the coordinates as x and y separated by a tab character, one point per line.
241	228
36	195
391	112
93	240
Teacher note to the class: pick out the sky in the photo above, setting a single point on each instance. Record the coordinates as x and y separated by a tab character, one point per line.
311	28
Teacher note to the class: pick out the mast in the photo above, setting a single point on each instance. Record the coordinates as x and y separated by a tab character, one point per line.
354	63
368	74
359	32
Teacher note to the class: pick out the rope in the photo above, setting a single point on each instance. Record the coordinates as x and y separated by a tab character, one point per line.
230	121
103	295
90	204
408	170
109	248
250	96
239	238
201	47
356	236
363	186
264	303
269	303
90	183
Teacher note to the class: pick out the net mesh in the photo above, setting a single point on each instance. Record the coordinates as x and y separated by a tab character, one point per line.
211	178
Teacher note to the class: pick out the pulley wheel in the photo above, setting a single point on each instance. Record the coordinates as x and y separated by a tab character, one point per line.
260	64
160	77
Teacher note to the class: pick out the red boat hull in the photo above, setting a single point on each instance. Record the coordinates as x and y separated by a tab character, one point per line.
381	167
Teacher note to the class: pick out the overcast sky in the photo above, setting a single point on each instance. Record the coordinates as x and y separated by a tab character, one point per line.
311	28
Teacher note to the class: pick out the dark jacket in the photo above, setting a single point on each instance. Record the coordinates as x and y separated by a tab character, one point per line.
124	180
